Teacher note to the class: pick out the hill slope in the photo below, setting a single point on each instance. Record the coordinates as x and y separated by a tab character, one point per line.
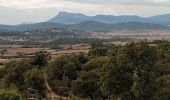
161	19
25	27
129	26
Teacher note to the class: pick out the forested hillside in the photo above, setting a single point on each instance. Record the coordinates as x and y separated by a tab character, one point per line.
137	71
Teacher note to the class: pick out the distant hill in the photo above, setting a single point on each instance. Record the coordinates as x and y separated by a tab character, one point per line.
139	26
42	25
6	27
117	19
25	27
129	26
161	19
3	31
89	26
75	18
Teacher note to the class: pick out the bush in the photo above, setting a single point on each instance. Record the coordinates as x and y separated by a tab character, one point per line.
10	94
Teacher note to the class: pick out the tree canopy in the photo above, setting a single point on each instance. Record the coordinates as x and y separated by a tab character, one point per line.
137	71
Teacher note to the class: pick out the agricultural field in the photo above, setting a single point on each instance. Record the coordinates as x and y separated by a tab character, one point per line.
8	54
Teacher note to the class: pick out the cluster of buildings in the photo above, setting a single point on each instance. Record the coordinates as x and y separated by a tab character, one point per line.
12	38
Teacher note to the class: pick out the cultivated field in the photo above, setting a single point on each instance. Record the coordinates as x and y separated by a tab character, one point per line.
8	54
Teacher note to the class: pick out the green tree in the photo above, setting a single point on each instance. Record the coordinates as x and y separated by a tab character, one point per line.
70	71
61	72
98	51
87	86
117	78
9	94
34	79
96	63
163	86
14	74
40	59
143	58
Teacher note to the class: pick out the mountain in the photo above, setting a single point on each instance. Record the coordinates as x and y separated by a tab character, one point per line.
129	26
139	26
69	18
117	19
25	27
75	18
161	19
89	26
6	27
102	23
42	25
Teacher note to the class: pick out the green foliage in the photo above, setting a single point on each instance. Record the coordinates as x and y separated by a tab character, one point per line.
87	86
9	94
163	84
138	71
96	63
34	79
117	78
14	74
62	71
22	75
129	72
98	52
70	71
40	59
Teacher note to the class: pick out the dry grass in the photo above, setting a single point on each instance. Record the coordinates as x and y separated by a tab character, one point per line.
14	51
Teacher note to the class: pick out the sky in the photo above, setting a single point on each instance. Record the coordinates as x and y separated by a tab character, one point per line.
14	12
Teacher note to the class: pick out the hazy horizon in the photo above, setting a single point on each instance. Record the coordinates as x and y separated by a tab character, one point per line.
20	11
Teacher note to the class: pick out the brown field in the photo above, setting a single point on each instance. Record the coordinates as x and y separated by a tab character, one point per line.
11	53
66	52
4	60
14	51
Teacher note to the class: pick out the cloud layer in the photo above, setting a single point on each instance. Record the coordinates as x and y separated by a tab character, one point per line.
17	11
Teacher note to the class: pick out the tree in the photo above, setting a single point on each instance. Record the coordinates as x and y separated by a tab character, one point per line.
14	74
163	87
96	63
143	58
70	71
40	59
82	58
102	51
55	69
61	72
34	79
9	94
87	86
117	78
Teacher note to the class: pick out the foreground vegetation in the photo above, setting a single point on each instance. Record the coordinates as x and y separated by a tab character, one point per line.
138	71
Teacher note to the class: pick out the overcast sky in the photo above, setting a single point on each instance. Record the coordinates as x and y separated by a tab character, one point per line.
19	11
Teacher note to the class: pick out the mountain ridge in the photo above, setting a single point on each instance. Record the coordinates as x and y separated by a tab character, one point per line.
106	23
89	26
75	18
95	26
